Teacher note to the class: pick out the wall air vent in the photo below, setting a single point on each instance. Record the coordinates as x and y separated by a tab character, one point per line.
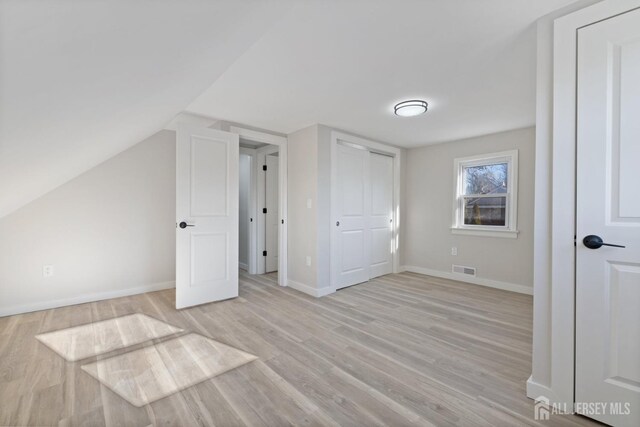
461	269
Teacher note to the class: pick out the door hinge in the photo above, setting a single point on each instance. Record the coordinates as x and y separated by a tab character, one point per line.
575	240
283	221
264	253
264	210
264	167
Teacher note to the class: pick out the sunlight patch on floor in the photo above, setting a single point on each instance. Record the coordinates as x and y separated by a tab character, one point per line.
81	342
151	373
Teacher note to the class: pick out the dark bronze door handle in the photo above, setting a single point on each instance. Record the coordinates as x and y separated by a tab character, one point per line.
595	242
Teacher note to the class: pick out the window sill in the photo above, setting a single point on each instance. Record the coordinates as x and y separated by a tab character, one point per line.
506	234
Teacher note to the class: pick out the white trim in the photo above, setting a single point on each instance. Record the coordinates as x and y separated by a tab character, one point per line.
310	290
97	296
375	147
536	390
256	136
489	283
244	266
510	229
487	158
482	232
253	259
281	143
562	303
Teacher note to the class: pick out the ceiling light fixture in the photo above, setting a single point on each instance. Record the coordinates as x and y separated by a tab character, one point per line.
411	108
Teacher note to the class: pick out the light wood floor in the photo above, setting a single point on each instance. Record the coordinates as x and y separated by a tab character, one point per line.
400	350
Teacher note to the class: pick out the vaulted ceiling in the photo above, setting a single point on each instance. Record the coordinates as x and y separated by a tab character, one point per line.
82	81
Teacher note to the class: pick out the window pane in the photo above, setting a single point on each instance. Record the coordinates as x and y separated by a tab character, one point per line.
485	211
488	179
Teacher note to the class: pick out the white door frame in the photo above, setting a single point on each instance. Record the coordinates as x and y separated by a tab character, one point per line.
376	147
281	143
563	210
252	267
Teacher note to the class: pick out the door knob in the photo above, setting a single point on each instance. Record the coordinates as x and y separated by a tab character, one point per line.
185	225
595	242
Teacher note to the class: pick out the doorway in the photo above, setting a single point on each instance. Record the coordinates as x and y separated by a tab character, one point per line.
260	218
263	196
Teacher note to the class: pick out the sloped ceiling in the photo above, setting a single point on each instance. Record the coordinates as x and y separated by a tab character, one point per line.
346	63
81	81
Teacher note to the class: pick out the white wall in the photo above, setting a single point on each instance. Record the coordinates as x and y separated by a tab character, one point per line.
427	240
302	165
323	207
108	232
244	227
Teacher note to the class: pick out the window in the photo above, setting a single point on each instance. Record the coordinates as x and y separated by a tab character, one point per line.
486	195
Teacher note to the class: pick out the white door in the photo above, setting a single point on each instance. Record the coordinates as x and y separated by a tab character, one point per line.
381	215
207	216
608	206
273	215
351	237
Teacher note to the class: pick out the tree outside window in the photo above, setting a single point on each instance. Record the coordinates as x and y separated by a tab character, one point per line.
486	192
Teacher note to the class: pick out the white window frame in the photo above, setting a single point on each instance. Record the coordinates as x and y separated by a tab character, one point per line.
509	230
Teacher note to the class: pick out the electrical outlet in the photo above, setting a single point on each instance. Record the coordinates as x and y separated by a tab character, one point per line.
454	251
47	270
308	261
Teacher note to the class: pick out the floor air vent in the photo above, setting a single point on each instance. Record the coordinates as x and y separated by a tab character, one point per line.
463	270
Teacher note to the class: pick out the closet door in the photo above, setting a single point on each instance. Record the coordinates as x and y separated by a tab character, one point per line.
351	254
381	215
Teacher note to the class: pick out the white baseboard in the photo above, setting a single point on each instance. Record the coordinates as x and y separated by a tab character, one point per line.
309	290
98	296
536	390
469	279
243	266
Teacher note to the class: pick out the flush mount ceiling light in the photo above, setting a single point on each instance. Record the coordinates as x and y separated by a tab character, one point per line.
411	108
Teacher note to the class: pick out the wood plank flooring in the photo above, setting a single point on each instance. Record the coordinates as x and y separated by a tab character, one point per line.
400	350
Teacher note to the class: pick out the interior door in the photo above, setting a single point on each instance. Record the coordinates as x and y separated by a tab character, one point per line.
608	206
351	235
271	221
207	216
381	214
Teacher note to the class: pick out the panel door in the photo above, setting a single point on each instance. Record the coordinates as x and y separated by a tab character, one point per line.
381	214
273	215
351	227
608	206
207	216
